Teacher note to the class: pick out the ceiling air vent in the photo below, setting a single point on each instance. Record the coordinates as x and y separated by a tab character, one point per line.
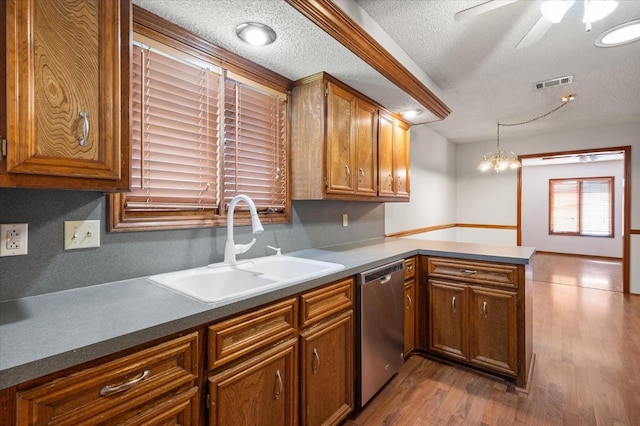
560	81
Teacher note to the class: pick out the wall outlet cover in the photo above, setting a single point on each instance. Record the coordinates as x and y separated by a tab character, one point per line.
15	239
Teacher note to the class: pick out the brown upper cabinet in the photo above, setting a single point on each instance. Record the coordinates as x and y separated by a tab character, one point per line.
393	148
67	91
340	147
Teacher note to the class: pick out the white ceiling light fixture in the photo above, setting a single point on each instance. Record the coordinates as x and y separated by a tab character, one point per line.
500	160
620	34
255	33
595	10
411	113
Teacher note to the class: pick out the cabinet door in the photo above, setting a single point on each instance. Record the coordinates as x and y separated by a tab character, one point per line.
366	148
448	323
401	158
409	316
65	92
340	152
493	337
385	156
327	371
259	391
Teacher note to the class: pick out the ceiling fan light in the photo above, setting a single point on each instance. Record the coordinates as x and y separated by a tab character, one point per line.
554	10
620	34
595	10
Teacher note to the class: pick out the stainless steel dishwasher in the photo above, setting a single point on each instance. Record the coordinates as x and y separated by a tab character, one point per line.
380	328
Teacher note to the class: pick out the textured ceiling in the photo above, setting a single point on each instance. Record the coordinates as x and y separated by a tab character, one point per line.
480	74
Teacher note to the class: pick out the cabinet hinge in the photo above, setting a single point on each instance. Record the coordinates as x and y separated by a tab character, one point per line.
207	399
326	91
3	148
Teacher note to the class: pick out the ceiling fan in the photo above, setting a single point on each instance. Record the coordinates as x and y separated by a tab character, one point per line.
552	13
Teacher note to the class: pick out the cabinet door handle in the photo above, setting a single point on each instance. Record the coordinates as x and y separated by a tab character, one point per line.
361	174
108	390
468	271
85	128
316	361
399	181
347	172
389	181
484	309
453	304
409	301
278	390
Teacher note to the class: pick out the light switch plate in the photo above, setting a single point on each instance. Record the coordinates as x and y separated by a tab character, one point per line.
15	239
81	234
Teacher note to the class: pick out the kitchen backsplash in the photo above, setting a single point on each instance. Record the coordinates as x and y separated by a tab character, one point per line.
48	268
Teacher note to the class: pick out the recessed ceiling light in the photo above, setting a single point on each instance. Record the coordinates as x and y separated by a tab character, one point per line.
256	33
411	113
620	34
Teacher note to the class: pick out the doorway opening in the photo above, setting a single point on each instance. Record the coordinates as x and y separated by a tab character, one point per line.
534	205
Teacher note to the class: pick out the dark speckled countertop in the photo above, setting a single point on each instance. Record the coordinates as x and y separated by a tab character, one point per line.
43	334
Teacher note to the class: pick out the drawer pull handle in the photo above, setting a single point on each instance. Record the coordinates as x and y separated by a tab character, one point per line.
409	298
410	268
484	309
316	361
468	271
108	390
361	174
278	390
453	305
85	128
347	172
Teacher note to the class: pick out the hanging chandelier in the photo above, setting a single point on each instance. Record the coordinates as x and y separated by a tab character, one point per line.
500	160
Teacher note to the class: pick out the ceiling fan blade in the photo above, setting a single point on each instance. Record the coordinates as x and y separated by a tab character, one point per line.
481	8
535	33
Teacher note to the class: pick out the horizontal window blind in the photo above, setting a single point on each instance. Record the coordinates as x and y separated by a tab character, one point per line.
581	206
254	146
175	133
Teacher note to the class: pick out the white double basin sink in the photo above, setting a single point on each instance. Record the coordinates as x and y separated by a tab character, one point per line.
222	283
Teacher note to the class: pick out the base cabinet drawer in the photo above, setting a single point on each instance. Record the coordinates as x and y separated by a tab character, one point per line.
155	383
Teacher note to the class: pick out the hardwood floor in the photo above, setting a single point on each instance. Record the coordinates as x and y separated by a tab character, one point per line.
600	273
587	371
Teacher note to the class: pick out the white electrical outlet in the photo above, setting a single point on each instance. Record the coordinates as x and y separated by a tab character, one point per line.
345	219
81	234
15	239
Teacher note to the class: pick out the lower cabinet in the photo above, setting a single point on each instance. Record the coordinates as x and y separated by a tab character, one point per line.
479	313
328	351
259	391
327	378
410	299
154	386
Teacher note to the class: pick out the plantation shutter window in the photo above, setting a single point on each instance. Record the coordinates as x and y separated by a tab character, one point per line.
254	146
581	206
175	132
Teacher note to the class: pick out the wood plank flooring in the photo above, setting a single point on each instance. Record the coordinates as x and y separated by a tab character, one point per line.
587	372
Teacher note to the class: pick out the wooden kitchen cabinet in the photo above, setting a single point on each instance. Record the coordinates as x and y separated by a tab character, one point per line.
158	385
253	364
67	94
410	293
259	391
335	145
393	148
480	314
327	354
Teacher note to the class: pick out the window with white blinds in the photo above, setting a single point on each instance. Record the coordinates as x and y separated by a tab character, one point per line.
581	206
199	139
